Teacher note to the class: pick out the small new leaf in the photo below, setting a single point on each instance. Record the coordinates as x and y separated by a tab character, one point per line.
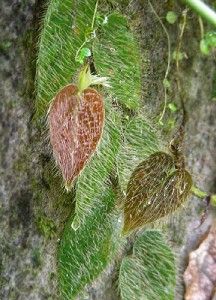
171	17
208	43
172	107
178	55
166	83
84	52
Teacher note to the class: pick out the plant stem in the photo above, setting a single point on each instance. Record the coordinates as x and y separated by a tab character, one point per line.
201	27
200	194
182	29
213	200
203	10
168	60
80	48
94	16
92	28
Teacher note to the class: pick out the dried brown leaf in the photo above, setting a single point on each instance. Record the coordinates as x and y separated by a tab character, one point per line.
200	275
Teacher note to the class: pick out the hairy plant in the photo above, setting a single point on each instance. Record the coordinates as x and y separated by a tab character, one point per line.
91	236
84	253
159	185
155	190
149	273
76	119
113	58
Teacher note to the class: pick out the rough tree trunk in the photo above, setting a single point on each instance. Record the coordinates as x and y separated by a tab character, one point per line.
28	235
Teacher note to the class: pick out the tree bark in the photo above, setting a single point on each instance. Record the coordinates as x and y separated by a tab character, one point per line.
29	237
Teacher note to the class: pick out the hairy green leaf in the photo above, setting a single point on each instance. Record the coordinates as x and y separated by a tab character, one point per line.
149	273
116	54
62	35
140	140
84	253
89	240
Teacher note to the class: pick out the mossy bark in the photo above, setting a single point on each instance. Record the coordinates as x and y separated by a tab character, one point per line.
33	209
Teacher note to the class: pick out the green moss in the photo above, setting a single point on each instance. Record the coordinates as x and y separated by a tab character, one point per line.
2	279
46	226
36	258
20	164
4	47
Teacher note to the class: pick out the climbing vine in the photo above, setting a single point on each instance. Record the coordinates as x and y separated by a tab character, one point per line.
106	148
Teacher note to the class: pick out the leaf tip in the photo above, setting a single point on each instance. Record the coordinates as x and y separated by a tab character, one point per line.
76	223
68	186
125	230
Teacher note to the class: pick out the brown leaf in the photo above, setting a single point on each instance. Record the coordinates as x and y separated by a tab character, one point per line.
154	191
76	124
200	275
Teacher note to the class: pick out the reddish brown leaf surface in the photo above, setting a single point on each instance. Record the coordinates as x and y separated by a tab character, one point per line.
76	124
200	275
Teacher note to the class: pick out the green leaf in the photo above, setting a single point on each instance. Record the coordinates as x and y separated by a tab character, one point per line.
166	83
150	272
85	52
56	48
178	55
84	253
172	106
208	43
62	35
117	55
171	17
140	140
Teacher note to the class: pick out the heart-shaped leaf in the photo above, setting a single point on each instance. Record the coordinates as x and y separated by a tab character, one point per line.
76	123
154	191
